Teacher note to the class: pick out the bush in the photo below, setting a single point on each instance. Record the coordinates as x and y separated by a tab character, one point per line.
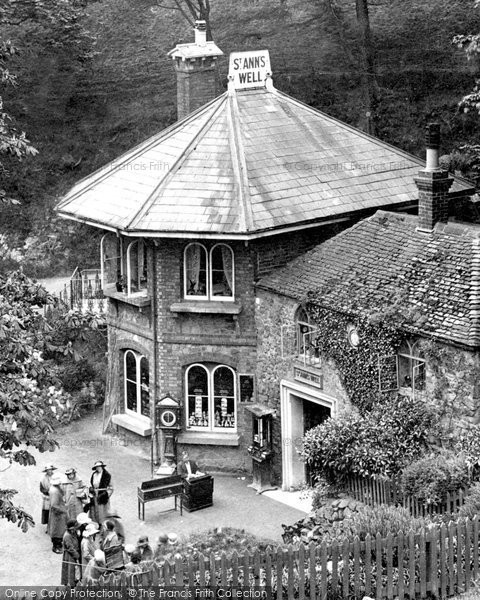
381	519
429	479
471	506
74	374
381	442
468	444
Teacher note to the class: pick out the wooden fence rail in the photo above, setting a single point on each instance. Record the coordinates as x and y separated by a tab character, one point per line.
437	563
374	491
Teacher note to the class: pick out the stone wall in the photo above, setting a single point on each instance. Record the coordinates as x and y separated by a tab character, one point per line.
275	317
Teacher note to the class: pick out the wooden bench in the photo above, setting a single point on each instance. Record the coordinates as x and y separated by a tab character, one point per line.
158	489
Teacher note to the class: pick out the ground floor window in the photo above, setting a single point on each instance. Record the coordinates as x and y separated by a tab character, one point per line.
211	398
136	384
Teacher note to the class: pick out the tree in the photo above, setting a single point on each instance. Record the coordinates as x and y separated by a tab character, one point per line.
43	25
12	142
471	44
192	10
32	401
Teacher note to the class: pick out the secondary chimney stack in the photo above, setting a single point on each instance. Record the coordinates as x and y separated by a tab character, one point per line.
197	74
433	184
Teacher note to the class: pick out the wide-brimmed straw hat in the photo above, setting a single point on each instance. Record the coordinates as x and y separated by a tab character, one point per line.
83	518
49	467
172	538
57	479
99	463
90	529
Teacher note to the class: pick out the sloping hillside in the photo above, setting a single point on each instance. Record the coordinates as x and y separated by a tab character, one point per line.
79	120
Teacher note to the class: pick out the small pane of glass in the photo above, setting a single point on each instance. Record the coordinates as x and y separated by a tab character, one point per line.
144	388
131	392
195	270
222	270
130	366
224	397
198	409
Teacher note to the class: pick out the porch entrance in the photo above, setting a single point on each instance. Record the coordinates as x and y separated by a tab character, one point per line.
313	414
302	407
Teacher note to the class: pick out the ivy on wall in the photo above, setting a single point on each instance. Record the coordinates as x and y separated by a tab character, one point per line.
358	366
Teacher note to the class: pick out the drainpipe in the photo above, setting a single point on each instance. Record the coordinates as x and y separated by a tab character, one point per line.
154	453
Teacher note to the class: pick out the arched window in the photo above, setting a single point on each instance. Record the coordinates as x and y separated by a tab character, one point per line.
209	275
307	348
136	267
411	367
211	394
221	272
136	384
196	271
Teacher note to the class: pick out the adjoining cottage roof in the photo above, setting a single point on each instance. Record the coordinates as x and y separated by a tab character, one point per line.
383	260
249	162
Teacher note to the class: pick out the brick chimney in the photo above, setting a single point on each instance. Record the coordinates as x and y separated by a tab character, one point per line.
197	74
433	184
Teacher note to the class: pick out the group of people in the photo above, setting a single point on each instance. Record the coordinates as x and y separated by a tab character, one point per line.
87	531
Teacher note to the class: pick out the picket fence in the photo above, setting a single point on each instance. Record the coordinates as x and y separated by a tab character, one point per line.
437	563
374	491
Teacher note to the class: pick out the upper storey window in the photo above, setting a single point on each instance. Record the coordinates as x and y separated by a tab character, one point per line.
209	274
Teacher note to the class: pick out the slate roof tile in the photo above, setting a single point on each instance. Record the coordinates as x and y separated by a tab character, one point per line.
384	256
300	164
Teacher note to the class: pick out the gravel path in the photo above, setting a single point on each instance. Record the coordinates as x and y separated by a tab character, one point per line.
27	559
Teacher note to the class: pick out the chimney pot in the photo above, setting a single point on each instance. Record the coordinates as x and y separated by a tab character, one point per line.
432	136
200	33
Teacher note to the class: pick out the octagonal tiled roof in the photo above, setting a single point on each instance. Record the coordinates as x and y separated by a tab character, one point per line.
249	162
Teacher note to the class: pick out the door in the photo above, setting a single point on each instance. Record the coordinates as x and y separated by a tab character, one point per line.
313	414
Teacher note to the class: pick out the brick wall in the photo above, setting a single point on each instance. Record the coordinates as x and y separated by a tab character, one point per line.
197	84
184	338
433	201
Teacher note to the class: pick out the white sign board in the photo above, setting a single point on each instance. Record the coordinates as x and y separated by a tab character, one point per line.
249	69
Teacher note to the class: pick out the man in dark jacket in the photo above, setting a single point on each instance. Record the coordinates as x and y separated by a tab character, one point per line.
71	570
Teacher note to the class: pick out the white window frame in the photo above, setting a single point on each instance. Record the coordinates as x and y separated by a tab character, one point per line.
209	275
211	428
138	363
416	362
139	246
302	339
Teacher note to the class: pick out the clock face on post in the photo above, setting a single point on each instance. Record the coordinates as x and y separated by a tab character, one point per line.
168	418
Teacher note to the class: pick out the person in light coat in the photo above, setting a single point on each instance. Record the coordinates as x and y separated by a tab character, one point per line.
57	521
75	492
44	490
89	544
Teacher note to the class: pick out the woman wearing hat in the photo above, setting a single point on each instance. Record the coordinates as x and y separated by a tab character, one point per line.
100	491
88	544
144	548
75	493
95	568
57	521
71	571
44	490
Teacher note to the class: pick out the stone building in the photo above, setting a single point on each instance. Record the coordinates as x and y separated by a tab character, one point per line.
419	273
194	216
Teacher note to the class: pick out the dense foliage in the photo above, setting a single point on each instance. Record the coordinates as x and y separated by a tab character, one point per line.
380	442
32	400
80	65
430	478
